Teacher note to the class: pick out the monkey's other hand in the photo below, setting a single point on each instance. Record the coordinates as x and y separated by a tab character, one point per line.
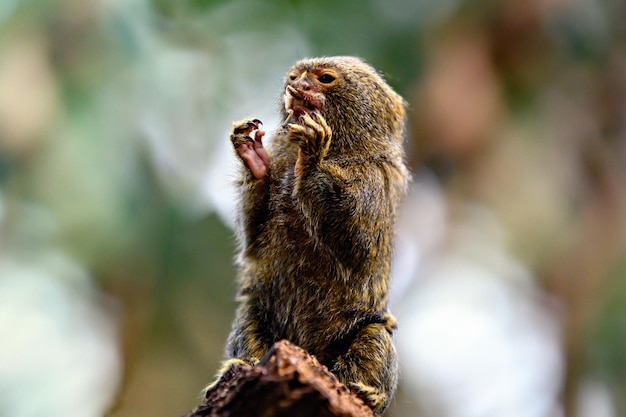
371	396
312	135
250	149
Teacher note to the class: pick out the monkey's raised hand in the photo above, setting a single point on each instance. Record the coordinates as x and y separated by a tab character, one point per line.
313	136
250	149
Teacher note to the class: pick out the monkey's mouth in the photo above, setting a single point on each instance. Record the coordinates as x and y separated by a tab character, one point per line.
299	103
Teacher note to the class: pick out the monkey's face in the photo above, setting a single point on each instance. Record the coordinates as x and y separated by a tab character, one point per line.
349	94
306	90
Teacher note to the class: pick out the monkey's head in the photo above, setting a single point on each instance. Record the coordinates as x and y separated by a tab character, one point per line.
355	100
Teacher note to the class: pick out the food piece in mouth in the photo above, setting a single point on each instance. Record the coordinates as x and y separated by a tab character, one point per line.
298	104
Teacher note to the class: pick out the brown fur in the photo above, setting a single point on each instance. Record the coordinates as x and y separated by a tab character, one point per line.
316	225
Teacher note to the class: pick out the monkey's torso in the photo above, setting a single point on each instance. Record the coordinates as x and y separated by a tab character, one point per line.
310	290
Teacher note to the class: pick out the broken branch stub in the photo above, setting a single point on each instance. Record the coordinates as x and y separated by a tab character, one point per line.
286	382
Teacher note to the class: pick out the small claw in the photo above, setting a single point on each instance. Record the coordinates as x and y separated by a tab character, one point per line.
295	128
308	120
370	395
243	129
228	367
246	126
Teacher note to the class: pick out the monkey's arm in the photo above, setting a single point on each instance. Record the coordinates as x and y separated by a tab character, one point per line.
254	181
349	205
348	209
249	149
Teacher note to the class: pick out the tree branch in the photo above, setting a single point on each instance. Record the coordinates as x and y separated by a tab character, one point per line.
286	382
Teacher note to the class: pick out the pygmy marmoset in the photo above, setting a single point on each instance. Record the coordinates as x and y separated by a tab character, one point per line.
316	217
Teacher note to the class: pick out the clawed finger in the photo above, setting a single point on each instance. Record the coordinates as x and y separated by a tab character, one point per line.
246	126
240	139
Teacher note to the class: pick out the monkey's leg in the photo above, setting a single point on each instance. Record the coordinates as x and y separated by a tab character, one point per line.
246	342
251	150
369	365
245	346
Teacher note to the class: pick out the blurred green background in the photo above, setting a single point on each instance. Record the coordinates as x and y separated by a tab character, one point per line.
116	242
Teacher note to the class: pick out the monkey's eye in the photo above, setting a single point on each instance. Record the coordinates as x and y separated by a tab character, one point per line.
292	77
326	78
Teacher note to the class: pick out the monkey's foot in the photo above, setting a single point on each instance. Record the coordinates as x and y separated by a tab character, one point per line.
312	135
371	396
229	366
250	149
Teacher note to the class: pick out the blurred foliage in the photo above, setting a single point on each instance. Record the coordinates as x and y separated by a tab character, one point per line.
113	153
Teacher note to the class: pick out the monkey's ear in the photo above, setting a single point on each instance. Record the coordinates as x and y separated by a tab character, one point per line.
400	105
398	113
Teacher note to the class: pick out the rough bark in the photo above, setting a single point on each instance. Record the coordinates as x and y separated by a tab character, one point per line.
286	382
